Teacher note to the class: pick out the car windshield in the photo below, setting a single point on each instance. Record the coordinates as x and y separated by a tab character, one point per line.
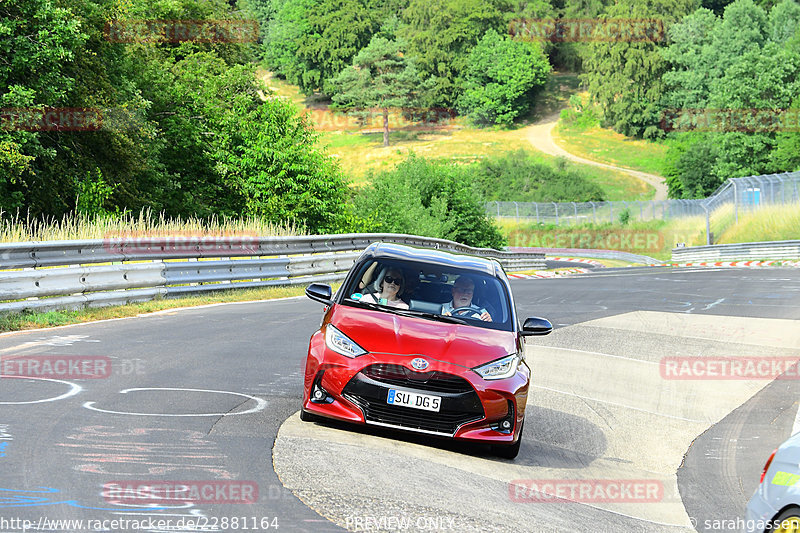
430	291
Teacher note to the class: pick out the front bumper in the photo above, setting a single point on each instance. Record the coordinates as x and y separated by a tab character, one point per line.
471	408
758	514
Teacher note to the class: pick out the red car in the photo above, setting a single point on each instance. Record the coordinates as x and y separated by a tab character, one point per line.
422	340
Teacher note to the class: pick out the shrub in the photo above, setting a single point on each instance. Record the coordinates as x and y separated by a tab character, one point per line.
427	198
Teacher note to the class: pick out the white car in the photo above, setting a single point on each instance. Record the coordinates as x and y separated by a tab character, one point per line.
775	506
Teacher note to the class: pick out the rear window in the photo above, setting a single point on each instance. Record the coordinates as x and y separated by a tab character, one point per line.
429	290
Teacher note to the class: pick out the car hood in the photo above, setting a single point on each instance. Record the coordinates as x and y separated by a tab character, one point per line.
386	332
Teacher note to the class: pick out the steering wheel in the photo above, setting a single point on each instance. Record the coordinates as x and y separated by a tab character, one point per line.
464	310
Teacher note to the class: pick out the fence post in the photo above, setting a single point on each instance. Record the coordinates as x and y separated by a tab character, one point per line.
611	206
594	213
556	206
537	211
516	207
575	207
735	201
498	209
708	224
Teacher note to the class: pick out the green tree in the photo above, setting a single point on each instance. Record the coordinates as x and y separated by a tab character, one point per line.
272	159
625	78
741	61
691	68
516	176
428	198
786	156
502	79
38	53
282	34
440	36
337	30
689	169
784	21
382	76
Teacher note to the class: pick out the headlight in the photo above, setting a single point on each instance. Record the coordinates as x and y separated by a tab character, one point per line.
500	369
341	343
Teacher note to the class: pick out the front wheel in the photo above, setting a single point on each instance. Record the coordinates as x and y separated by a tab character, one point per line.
509	452
787	522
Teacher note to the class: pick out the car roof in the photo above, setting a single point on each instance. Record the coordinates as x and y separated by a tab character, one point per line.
381	250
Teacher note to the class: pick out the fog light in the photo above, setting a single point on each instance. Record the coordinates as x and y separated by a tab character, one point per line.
506	424
320	395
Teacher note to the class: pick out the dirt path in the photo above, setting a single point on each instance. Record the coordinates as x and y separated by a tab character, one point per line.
540	136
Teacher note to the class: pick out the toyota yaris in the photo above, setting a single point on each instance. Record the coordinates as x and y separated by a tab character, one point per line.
424	341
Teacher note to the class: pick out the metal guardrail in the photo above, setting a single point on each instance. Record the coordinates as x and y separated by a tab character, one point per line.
53	275
738	252
592	253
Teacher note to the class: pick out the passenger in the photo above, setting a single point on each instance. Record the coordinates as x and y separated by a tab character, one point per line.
462	291
391	288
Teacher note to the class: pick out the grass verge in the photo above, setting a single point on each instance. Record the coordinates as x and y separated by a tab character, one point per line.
16	229
657	238
607	146
779	223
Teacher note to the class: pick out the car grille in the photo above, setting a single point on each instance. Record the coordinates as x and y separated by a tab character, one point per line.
369	389
400	376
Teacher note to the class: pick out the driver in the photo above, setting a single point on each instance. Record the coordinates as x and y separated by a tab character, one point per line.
463	289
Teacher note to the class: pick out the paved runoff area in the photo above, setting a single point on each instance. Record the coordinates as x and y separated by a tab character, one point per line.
607	425
653	407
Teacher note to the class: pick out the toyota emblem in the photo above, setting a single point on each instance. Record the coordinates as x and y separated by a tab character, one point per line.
419	364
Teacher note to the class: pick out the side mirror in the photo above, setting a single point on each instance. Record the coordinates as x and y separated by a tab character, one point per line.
535	326
320	292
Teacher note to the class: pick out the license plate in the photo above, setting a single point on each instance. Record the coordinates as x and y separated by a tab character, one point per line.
414	400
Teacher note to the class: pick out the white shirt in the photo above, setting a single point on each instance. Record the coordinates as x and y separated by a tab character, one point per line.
448	308
372	298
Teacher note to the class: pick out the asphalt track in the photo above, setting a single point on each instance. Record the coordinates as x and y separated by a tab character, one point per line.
211	394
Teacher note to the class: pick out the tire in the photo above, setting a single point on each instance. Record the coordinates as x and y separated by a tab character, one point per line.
787	515
509	451
305	416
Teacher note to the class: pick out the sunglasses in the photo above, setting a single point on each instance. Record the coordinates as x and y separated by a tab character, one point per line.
396	281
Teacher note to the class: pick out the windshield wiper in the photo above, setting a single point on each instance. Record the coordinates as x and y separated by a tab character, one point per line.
368	305
434	316
409	312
